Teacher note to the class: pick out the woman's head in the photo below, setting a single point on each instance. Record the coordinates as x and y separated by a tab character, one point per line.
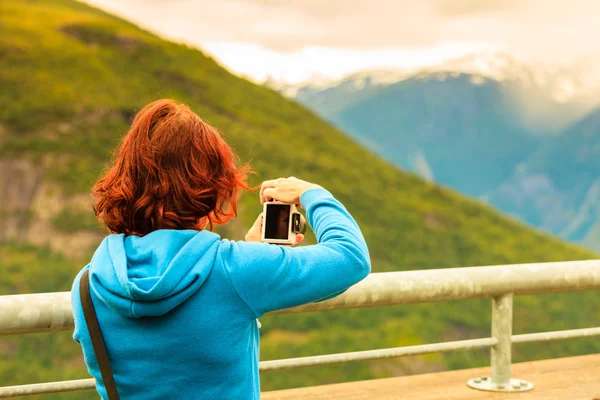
172	171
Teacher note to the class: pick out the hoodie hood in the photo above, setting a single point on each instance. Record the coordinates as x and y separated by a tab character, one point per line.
151	275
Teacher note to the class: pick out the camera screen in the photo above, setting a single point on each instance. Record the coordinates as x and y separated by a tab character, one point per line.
277	221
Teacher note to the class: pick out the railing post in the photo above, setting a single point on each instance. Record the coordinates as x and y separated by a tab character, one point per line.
500	381
502	311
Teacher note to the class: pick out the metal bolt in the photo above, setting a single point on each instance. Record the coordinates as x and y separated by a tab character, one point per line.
477	380
484	378
516	386
500	386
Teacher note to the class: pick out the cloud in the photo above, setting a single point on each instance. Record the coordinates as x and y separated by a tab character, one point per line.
456	8
288	26
548	31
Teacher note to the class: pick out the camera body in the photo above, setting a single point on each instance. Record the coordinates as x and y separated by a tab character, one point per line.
281	223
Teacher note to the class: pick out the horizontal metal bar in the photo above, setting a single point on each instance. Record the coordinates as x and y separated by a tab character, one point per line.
445	347
46	388
87	384
41	312
426	286
52	311
424	349
556	335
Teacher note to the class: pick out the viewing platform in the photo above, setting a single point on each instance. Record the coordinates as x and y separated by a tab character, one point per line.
562	378
570	378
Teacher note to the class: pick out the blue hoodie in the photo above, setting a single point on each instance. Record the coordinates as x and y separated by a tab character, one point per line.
178	308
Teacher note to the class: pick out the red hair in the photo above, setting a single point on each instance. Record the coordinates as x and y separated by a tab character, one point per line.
172	171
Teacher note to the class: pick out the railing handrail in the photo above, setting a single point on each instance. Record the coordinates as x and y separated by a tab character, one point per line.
47	312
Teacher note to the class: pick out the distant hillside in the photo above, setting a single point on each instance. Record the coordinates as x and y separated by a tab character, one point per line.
72	77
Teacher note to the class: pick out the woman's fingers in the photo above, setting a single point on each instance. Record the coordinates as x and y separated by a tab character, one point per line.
287	190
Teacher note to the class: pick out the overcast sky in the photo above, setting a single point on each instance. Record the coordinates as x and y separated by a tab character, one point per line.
295	39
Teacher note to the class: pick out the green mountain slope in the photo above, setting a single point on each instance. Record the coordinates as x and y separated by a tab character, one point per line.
71	77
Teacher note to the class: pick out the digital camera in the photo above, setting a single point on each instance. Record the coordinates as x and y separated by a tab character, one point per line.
281	223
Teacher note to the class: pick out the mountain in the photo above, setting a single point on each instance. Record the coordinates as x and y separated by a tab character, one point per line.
573	86
72	77
485	124
558	188
460	130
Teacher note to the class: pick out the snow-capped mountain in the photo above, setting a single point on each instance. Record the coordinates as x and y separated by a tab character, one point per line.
577	84
358	80
564	83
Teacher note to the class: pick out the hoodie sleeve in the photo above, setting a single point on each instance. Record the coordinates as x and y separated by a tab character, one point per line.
270	277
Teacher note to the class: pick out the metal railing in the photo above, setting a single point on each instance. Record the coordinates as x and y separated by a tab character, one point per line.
52	312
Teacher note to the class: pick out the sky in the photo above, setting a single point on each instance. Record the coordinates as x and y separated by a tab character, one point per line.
298	40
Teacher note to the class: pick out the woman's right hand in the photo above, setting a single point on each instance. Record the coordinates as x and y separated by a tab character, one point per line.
287	190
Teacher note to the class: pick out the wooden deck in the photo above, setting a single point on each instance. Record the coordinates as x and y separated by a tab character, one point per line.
572	378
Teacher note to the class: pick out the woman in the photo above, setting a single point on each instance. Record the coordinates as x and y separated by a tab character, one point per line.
176	304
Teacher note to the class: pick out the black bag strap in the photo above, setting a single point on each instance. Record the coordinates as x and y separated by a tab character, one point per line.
96	335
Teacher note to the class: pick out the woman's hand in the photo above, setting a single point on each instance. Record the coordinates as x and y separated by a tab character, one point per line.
287	190
255	233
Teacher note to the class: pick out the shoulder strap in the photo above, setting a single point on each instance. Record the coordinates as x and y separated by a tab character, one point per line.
96	335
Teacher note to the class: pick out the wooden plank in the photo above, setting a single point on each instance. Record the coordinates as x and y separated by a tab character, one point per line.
570	378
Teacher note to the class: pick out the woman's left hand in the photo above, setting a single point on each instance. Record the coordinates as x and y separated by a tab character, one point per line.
255	233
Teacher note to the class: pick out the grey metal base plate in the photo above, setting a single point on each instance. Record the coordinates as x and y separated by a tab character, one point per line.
485	383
